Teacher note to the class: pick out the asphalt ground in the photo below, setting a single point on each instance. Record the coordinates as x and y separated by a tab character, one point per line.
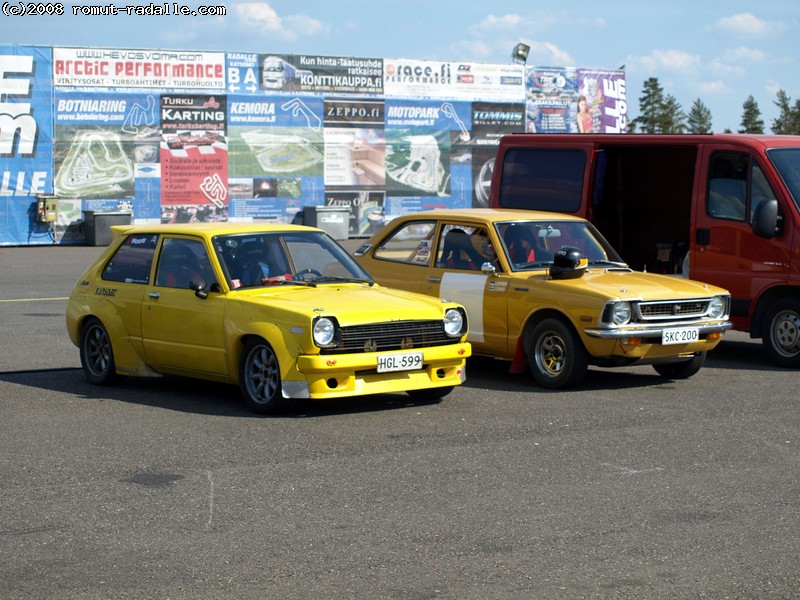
630	486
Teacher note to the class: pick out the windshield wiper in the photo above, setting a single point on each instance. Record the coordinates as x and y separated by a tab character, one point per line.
338	279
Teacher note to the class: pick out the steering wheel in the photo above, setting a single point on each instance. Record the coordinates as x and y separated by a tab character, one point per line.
302	273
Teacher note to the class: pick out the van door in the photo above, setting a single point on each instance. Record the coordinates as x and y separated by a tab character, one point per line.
725	251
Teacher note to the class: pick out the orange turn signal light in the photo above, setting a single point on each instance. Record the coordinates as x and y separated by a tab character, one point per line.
632	341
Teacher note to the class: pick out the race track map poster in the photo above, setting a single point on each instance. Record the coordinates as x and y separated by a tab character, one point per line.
275	155
194	158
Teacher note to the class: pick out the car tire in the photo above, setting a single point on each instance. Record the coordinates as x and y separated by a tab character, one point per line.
683	369
782	332
556	355
260	379
97	354
430	394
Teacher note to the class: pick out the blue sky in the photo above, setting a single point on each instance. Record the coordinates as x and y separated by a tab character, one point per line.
718	52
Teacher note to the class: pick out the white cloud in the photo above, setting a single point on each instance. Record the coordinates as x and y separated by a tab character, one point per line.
747	24
261	16
713	87
744	54
670	60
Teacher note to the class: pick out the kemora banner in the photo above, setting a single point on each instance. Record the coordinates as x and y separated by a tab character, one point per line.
406	78
165	70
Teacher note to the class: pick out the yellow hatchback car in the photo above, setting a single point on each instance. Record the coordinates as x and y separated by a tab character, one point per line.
281	310
549	293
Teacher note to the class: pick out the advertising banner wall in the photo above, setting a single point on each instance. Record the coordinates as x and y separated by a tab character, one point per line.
183	135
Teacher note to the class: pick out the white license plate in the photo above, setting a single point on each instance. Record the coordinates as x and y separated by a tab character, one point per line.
399	362
680	335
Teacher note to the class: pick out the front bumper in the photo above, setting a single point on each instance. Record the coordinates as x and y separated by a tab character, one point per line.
655	332
338	375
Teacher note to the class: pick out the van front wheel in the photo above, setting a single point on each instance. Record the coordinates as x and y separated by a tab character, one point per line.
782	332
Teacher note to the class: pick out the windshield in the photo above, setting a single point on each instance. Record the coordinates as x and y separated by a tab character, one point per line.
285	258
531	244
787	163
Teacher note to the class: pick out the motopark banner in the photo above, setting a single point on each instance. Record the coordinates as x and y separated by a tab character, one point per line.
180	136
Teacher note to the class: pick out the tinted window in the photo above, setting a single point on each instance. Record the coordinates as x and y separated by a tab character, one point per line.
542	179
131	262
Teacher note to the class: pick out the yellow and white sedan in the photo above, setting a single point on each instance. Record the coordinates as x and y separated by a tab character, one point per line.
549	293
281	310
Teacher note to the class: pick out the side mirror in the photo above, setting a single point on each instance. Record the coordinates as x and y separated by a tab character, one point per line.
198	284
765	219
488	268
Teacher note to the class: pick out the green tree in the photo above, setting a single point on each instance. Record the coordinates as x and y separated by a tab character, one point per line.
671	118
788	121
751	117
699	120
651	104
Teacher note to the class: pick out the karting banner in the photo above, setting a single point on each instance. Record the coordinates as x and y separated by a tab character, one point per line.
405	78
275	155
602	96
194	158
164	70
26	143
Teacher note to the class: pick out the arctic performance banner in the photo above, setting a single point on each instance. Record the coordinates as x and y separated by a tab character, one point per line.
168	70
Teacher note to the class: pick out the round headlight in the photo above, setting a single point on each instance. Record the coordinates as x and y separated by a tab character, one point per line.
620	313
453	322
716	308
324	331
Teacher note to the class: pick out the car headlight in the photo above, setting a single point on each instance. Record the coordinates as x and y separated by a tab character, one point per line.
453	322
716	308
324	332
620	313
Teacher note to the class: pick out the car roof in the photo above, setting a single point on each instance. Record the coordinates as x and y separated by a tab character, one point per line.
209	230
490	215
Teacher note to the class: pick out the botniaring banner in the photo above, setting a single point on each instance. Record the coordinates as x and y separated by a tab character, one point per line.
113	68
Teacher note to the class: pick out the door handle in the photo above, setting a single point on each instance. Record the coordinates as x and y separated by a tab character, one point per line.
154	295
434	278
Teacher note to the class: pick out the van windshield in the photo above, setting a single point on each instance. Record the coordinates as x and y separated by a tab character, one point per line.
787	163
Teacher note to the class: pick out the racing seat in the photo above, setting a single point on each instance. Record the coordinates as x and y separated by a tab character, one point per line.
459	253
253	262
177	267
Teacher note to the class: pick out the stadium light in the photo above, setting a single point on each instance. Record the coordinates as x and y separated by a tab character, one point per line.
520	53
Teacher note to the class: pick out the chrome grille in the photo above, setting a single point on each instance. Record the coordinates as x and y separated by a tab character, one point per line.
672	309
397	335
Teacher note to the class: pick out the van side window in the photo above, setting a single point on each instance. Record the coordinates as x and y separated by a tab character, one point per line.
727	186
132	261
542	179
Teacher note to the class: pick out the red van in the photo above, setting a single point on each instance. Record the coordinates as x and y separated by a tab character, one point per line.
722	208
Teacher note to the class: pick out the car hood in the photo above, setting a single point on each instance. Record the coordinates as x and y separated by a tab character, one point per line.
350	303
630	285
